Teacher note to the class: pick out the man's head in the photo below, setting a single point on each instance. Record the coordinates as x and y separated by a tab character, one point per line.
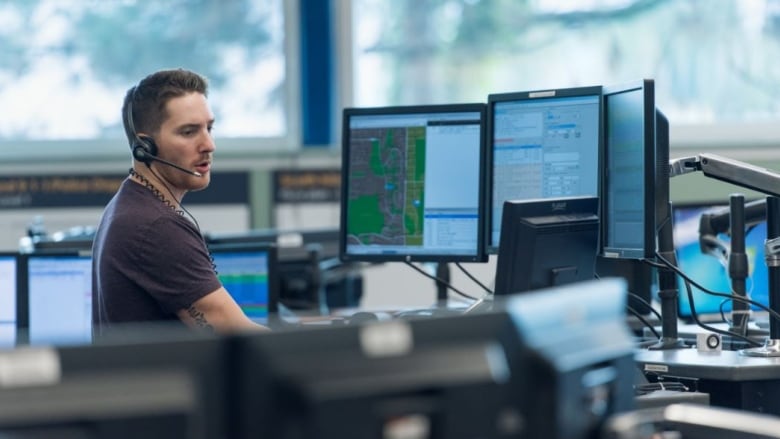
144	108
167	115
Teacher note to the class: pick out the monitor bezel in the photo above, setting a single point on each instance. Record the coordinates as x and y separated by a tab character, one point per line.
533	95
23	286
479	254
18	292
273	260
647	88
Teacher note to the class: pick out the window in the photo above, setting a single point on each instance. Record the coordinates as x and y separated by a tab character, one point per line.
713	63
67	64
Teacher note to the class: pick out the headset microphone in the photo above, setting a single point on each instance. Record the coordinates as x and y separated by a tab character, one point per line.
142	155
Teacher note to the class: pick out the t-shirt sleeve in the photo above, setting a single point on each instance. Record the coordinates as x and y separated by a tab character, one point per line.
174	264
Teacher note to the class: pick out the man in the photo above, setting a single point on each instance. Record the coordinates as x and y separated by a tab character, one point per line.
150	262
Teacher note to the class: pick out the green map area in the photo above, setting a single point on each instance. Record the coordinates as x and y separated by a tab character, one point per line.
386	193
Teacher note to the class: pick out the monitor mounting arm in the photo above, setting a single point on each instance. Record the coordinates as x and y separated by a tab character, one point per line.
761	180
731	171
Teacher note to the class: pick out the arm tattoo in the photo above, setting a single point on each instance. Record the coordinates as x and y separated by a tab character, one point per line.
200	318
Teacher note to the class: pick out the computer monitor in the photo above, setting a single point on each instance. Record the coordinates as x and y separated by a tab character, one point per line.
412	183
57	308
349	382
629	177
249	273
541	144
8	293
290	243
711	271
546	243
308	270
523	369
153	382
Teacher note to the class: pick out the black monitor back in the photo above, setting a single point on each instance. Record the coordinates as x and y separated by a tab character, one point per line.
553	364
450	378
546	243
152	381
580	363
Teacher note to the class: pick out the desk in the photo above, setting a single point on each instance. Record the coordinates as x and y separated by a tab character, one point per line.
688	332
732	380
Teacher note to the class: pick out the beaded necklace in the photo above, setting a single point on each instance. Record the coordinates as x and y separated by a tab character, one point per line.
148	184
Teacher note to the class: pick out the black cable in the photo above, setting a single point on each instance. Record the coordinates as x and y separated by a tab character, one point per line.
712	328
646	304
447	284
694	314
644	389
723	311
689	291
660	226
723	303
640	299
685	277
457	264
644	321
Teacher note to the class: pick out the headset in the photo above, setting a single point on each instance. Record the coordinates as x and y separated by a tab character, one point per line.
144	148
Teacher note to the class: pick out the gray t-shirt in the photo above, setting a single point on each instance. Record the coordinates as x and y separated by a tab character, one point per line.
148	261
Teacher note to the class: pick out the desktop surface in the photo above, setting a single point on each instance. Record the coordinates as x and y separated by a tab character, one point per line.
720	365
730	378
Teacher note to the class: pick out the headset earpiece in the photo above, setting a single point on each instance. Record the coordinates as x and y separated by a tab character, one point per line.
144	149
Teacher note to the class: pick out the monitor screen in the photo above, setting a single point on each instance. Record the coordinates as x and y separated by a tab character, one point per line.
710	271
546	243
541	144
248	273
308	261
628	190
59	299
8	292
412	185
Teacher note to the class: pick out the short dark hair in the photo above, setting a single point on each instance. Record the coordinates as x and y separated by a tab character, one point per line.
149	97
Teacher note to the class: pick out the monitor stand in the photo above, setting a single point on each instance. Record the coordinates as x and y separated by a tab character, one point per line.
771	346
667	288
